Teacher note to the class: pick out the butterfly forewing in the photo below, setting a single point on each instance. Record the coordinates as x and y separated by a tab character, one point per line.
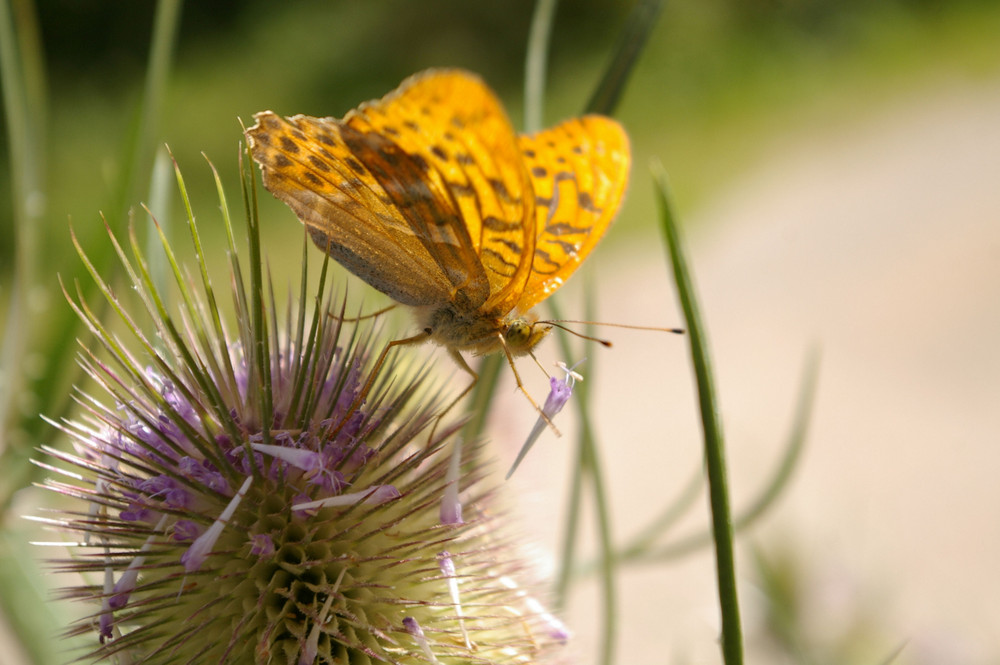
306	163
579	170
454	123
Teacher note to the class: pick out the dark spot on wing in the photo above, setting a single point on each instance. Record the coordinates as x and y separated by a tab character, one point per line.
501	191
319	164
530	154
587	203
464	159
420	162
500	257
281	161
461	189
313	178
439	152
539	171
541	254
288	145
412	126
496	224
354	165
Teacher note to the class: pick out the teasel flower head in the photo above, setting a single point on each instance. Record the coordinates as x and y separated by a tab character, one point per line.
252	488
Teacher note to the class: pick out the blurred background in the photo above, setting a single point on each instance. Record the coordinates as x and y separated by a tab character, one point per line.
837	168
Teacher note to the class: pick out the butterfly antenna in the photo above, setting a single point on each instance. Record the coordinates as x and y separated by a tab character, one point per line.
556	322
603	342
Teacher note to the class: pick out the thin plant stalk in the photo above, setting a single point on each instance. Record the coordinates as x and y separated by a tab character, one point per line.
715	458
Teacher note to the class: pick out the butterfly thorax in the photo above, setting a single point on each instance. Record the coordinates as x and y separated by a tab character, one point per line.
480	332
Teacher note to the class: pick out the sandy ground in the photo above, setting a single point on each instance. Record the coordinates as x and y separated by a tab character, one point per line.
878	242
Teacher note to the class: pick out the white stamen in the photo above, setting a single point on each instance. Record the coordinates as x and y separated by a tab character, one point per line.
376	495
448	568
126	583
451	505
557	629
414	629
576	376
297	457
203	544
308	655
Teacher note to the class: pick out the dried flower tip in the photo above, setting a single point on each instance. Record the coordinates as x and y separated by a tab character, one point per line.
557	629
376	496
559	394
448	569
451	504
202	546
413	628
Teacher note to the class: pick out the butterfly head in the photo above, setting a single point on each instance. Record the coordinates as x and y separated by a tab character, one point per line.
523	334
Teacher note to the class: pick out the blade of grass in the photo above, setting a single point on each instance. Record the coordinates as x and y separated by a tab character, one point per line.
24	105
715	460
536	59
589	471
641	552
51	385
536	64
631	42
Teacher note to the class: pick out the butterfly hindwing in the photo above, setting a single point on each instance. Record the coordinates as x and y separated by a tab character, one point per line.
579	171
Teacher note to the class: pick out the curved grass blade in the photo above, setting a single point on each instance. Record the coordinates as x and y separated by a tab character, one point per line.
52	384
715	460
536	64
639	552
588	469
630	44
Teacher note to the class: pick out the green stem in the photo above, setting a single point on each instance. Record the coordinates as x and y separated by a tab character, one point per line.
715	460
536	63
631	43
589	467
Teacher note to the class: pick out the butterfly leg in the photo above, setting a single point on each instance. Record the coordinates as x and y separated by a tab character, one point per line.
461	362
524	391
355	319
372	375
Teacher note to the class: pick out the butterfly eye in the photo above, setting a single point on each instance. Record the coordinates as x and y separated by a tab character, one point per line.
518	334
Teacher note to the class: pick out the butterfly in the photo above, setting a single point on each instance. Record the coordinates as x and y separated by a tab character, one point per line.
430	196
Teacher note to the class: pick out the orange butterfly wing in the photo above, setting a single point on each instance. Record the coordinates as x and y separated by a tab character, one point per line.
579	171
307	163
429	196
451	119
